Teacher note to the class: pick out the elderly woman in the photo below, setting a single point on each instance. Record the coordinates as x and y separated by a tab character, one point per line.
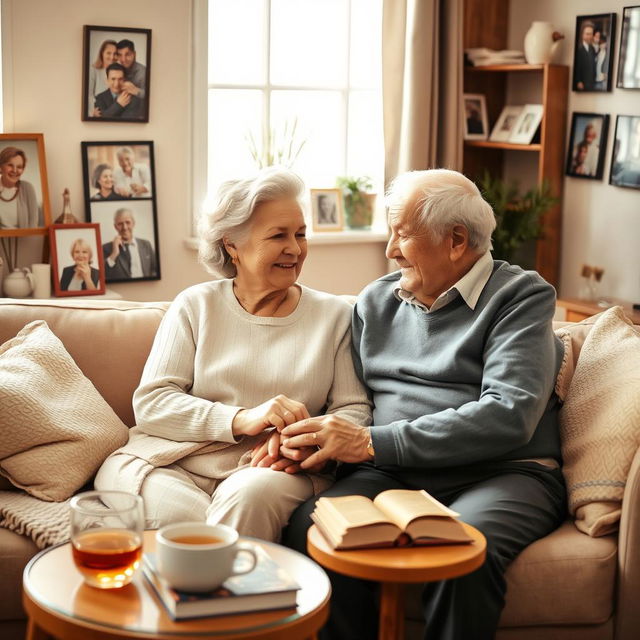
233	360
80	276
102	180
18	203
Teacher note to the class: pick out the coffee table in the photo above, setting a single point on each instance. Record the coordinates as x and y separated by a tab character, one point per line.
58	602
392	567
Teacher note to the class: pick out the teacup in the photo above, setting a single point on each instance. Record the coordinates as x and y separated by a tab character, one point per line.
198	557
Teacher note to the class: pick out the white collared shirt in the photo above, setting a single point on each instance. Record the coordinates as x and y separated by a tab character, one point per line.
136	263
470	287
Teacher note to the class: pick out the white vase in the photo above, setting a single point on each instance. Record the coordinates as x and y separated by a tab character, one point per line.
539	47
19	283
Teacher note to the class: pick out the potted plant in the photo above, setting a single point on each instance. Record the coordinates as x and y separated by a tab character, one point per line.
517	215
358	202
277	147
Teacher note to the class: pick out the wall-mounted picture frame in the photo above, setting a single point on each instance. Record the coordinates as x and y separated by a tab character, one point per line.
629	56
505	124
24	194
116	74
76	259
587	145
593	53
525	127
476	126
326	210
625	158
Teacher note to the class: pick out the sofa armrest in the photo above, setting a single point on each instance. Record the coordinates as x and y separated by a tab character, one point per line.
628	612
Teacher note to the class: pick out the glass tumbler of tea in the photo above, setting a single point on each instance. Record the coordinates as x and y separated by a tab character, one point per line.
106	536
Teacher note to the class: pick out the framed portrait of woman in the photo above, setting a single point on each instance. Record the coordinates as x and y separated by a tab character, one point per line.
326	210
76	259
116	71
24	195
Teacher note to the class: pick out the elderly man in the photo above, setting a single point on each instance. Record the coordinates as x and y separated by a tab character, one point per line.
131	179
459	356
126	256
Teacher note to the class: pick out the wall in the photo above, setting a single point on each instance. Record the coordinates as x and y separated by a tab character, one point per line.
42	58
601	223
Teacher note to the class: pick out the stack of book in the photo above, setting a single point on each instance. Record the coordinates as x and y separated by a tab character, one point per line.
398	517
482	56
264	588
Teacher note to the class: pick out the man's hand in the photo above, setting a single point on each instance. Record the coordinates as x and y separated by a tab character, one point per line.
123	99
115	248
277	412
267	454
337	439
131	88
138	189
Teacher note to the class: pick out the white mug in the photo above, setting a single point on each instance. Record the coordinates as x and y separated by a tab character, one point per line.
197	557
42	275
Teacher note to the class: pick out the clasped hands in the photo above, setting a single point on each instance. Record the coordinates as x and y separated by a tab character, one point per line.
300	442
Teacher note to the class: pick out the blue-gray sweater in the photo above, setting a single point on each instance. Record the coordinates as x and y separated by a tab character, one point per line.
459	386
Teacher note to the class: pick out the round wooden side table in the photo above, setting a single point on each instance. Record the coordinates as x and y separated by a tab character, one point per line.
393	567
59	603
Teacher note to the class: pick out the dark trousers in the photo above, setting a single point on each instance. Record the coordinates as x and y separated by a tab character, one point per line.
513	504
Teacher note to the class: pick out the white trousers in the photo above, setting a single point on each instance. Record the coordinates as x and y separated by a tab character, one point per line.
255	501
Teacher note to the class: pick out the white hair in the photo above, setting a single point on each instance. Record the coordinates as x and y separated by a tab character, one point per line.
231	217
444	198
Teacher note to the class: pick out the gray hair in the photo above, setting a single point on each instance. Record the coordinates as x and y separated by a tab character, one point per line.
231	217
121	212
125	151
444	198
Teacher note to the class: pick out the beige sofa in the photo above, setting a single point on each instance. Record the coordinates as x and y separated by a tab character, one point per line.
565	586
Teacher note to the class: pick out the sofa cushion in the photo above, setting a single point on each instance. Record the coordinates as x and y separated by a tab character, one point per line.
56	428
16	551
109	340
600	420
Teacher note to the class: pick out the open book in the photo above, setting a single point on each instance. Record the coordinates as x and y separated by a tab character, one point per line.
397	517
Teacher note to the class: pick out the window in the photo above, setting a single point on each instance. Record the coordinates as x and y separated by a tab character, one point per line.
311	67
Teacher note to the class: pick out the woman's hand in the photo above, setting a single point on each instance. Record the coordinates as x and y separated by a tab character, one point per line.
277	412
83	271
267	454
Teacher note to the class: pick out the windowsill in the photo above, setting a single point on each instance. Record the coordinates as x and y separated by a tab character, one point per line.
326	237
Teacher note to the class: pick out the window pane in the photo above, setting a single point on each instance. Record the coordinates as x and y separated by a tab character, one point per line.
366	44
237	42
309	42
232	115
365	145
321	120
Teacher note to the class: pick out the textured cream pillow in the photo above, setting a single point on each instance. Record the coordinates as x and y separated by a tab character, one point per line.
55	428
600	421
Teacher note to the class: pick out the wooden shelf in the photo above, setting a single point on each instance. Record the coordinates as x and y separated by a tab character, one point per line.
489	144
508	67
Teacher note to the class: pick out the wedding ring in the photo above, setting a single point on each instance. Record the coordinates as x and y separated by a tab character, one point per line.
315	436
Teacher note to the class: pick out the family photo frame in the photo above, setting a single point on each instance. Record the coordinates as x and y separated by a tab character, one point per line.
594	52
625	158
587	145
629	57
76	259
119	189
505	125
476	126
326	210
525	127
116	72
24	194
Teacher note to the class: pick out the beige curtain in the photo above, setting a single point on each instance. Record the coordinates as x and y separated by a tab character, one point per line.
422	84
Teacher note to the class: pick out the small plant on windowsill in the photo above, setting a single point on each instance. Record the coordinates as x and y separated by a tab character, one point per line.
518	216
277	147
358	201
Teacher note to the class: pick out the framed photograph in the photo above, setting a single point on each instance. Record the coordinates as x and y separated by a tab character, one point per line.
629	57
326	209
115	74
24	195
76	259
625	159
527	124
129	233
476	126
585	157
593	54
117	171
506	122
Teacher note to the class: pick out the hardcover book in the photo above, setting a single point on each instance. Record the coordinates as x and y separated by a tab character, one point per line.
267	587
397	517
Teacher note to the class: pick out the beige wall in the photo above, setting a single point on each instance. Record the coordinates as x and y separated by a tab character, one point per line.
42	45
601	222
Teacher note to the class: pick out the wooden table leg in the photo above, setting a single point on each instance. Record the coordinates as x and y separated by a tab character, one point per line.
34	632
391	611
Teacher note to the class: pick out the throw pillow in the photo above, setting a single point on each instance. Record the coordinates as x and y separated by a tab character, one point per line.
600	421
55	428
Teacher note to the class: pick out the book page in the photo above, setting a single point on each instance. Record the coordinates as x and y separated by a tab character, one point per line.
404	505
352	511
